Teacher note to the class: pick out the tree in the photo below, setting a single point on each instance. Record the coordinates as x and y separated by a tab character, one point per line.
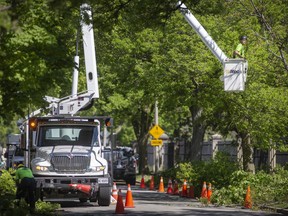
145	52
193	80
35	53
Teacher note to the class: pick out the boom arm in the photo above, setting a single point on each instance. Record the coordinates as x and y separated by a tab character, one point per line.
89	51
235	70
70	105
210	43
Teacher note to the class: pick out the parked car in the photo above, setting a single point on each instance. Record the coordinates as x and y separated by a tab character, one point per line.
125	164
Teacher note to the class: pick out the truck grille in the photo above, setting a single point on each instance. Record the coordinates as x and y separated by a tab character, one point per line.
70	163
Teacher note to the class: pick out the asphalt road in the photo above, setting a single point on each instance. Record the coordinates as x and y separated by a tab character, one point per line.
148	202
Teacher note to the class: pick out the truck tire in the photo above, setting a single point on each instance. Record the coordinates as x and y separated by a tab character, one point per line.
104	196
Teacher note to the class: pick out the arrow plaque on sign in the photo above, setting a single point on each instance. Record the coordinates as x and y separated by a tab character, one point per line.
156	131
156	142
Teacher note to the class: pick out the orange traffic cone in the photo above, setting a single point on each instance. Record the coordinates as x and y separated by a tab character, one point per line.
191	192
142	184
175	188
114	191
204	190
119	207
209	192
129	198
248	201
184	189
169	189
161	186
151	183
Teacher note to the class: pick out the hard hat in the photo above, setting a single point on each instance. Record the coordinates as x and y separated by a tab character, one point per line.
20	165
243	37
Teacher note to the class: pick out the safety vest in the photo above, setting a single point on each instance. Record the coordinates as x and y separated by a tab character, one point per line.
23	172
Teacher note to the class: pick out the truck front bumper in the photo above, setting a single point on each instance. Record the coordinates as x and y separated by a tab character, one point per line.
56	182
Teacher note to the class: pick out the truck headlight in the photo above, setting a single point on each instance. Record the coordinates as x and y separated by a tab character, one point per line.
41	168
98	168
40	164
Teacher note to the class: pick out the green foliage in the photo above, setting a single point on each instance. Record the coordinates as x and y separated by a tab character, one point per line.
266	189
7	190
232	193
42	208
204	201
46	208
8	202
163	59
229	183
270	189
35	51
217	172
187	171
126	135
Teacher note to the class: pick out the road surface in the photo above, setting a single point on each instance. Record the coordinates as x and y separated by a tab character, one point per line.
148	202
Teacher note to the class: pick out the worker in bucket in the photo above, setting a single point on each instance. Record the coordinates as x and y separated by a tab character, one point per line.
239	52
26	185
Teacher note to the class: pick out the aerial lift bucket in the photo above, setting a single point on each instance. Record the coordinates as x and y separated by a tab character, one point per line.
235	73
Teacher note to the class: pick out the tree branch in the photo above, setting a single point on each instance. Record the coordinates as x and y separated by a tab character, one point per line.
5	8
274	36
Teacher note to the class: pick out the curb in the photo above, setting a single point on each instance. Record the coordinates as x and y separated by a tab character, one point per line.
278	210
282	211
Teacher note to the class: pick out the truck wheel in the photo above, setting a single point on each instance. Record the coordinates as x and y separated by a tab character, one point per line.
82	200
104	196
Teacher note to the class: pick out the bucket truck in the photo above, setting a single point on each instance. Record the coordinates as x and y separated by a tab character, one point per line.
235	70
64	151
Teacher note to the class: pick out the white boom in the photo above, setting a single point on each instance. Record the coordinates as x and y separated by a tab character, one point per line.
89	52
70	105
235	70
210	43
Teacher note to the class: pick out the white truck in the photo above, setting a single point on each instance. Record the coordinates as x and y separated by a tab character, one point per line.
235	70
64	151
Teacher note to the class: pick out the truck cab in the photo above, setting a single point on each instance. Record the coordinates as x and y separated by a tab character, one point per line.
65	155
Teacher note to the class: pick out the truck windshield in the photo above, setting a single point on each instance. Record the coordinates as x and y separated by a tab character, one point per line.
68	135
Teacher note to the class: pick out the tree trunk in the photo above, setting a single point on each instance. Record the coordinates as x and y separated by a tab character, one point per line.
141	125
199	129
142	149
248	164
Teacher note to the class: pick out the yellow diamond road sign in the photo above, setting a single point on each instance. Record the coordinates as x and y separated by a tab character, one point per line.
156	131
